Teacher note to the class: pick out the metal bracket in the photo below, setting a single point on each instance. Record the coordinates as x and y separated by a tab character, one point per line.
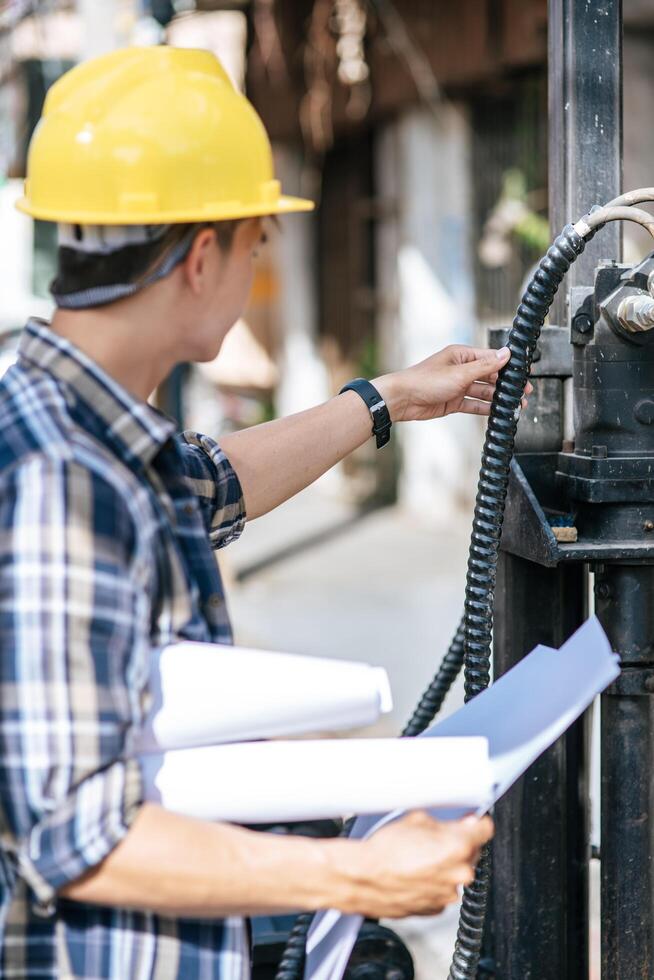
526	532
582	314
552	357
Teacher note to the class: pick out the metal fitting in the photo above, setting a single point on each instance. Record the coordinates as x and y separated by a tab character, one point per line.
582	323
636	313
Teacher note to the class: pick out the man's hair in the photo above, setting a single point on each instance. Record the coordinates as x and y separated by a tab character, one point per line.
79	271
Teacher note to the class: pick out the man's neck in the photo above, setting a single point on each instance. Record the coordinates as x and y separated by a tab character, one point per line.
124	343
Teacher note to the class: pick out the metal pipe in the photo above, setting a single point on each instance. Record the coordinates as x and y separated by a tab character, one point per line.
625	606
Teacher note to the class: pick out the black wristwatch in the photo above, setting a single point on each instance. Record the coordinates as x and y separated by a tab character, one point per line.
381	420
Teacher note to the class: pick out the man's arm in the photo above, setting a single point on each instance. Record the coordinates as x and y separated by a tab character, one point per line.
179	866
276	460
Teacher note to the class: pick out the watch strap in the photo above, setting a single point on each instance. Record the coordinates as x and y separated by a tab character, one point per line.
381	419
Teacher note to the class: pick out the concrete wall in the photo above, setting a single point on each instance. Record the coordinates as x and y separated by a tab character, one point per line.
426	292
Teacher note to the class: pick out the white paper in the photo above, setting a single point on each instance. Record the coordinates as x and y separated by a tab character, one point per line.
206	693
269	782
521	715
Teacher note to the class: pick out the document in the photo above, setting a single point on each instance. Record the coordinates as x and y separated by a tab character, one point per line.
271	782
520	715
206	693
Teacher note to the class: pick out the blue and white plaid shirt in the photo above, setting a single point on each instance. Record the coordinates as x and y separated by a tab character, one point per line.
107	524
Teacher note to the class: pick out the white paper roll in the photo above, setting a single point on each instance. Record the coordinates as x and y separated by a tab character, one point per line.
206	693
265	782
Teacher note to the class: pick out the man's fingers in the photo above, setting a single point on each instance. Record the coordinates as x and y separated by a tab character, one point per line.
463	874
435	910
488	364
478	830
472	406
466	355
491	379
478	389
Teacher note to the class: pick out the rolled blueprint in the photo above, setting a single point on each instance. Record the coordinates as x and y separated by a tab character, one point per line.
205	693
266	782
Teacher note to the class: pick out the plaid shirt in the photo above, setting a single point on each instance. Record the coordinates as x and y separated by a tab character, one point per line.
107	523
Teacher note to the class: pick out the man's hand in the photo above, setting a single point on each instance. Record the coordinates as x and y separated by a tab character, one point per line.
457	379
417	865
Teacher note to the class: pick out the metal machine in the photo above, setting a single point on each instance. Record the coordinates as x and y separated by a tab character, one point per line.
567	491
584	458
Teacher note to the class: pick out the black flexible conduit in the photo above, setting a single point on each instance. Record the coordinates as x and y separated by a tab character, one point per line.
431	701
485	540
472	642
291	965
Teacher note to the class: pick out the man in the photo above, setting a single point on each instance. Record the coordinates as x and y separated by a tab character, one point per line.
158	174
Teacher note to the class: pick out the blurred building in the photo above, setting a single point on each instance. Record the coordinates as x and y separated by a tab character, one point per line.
420	128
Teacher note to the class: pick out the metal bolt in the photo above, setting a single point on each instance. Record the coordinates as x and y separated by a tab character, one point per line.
582	323
648	526
636	312
649	684
599	452
603	590
644	411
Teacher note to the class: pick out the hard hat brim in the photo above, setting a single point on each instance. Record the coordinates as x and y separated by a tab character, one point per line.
284	204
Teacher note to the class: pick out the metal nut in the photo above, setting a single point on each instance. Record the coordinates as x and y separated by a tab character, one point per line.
582	323
636	313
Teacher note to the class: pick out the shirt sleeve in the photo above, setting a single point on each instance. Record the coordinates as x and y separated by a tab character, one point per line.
74	631
213	480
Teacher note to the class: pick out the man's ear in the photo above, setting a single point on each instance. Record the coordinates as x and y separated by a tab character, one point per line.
200	263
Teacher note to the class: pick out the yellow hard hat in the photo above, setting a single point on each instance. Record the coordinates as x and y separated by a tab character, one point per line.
150	136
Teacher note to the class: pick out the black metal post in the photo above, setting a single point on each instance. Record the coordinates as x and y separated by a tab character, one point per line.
538	928
540	851
625	606
585	126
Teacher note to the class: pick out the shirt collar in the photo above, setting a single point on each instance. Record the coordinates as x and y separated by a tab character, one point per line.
136	429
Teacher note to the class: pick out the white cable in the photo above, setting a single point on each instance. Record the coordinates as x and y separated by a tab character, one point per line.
602	216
